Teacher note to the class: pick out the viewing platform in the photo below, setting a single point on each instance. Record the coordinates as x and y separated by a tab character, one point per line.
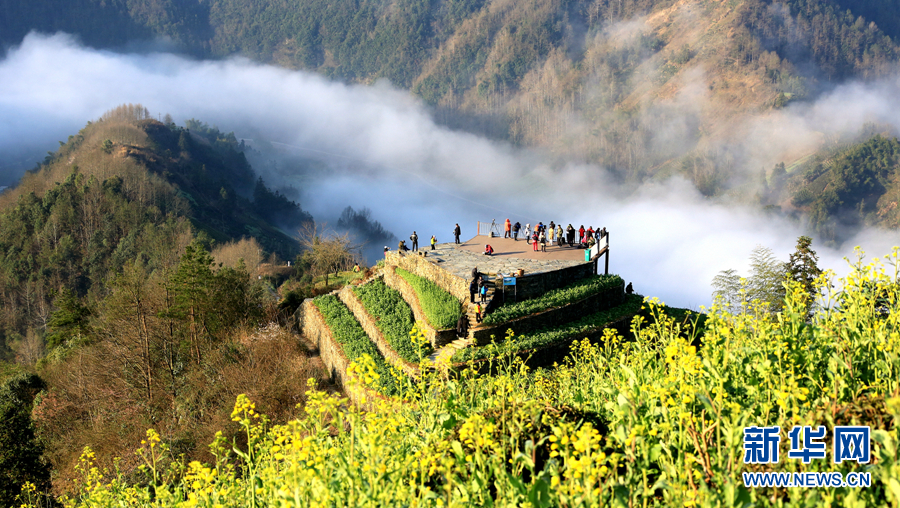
509	257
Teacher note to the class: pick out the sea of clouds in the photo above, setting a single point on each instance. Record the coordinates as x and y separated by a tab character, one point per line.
383	150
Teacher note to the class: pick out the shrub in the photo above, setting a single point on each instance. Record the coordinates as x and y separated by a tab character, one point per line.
547	336
572	293
441	309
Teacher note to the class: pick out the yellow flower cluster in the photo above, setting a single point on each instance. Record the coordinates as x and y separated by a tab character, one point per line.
584	467
244	409
363	369
477	433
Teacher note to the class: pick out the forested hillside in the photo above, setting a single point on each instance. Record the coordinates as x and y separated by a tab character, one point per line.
843	189
645	87
133	284
125	189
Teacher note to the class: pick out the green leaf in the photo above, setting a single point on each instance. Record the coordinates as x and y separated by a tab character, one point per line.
539	495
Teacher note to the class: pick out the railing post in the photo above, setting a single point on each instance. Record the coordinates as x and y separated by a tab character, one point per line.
606	270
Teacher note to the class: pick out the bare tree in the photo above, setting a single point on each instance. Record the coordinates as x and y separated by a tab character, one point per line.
329	251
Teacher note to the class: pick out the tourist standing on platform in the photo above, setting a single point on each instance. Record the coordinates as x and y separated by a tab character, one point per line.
570	234
516	228
590	232
543	240
508	232
534	240
551	233
528	233
559	235
456	233
581	234
414	238
433	242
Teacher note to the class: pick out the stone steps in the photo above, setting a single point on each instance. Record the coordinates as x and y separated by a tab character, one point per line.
446	352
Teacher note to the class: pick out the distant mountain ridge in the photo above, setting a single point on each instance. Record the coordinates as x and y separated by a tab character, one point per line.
589	80
645	88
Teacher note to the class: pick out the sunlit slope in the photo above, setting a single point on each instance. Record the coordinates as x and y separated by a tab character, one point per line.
125	188
644	87
652	422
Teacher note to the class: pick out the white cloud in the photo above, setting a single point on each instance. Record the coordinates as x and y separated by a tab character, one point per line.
418	175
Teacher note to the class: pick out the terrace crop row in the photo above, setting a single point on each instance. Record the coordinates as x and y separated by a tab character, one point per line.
440	307
547	336
354	341
393	317
572	293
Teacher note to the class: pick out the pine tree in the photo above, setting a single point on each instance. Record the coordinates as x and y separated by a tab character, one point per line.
20	451
193	284
803	267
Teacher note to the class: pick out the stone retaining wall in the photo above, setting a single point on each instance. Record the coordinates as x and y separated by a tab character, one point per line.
419	265
438	338
312	324
553	317
532	286
368	323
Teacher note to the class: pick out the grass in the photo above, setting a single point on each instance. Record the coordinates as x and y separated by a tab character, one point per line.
336	281
572	293
441	309
393	317
547	336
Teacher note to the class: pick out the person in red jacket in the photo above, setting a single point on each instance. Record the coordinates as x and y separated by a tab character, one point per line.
581	234
488	250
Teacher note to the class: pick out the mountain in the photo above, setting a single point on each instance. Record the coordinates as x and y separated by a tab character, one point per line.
133	289
646	88
126	188
843	189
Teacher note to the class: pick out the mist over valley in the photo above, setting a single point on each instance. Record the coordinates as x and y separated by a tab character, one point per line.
331	145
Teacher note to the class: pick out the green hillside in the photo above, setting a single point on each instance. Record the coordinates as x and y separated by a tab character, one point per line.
125	188
843	189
